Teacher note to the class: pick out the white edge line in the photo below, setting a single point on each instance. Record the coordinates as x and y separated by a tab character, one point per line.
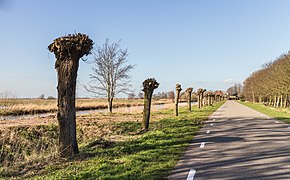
191	174
202	145
276	122
211	124
208	131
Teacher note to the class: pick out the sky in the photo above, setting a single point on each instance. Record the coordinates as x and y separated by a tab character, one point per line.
197	43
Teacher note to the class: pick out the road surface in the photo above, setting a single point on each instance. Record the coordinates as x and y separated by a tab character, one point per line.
237	143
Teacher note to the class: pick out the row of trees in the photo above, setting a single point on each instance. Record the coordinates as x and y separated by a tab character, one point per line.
270	84
183	96
109	77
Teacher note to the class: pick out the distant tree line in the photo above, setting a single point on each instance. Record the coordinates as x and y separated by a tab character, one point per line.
270	84
235	92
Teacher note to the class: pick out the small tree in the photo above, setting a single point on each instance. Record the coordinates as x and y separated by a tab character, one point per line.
41	96
131	96
189	91
68	50
140	95
148	87
111	74
171	95
178	89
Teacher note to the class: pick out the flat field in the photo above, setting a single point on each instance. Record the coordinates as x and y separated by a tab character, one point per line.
36	106
112	146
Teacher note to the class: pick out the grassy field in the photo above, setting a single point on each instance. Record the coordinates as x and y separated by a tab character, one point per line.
282	114
111	146
35	106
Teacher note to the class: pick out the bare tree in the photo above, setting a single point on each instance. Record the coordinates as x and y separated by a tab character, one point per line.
235	90
42	96
148	87
171	95
131	96
140	95
68	50
111	74
271	84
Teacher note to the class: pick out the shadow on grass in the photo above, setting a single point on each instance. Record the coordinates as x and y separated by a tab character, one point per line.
150	156
284	119
139	159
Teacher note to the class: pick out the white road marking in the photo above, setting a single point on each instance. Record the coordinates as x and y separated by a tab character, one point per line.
213	119
211	124
202	145
276	122
191	174
208	131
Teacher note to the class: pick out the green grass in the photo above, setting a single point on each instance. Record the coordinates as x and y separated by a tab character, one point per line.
277	113
150	156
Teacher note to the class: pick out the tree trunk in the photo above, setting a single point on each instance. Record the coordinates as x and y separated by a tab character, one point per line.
281	101
67	75
260	99
176	102
202	100
110	105
147	109
253	96
199	101
277	102
189	101
285	101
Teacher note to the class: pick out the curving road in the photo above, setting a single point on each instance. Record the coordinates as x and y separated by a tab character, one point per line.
237	143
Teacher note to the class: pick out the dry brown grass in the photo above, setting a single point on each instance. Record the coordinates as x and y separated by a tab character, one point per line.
36	106
27	143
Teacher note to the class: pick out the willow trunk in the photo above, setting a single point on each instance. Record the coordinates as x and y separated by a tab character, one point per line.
202	100
147	109
67	75
189	101
176	102
199	100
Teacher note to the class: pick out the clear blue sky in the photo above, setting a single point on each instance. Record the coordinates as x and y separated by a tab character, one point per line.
198	43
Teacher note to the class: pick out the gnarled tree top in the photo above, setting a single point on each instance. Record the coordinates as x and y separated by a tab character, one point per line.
189	90
178	87
72	45
150	84
218	93
208	94
200	91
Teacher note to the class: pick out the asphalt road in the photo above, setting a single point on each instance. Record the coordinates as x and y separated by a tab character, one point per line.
237	143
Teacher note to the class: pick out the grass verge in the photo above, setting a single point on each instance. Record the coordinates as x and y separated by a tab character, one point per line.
137	155
277	113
